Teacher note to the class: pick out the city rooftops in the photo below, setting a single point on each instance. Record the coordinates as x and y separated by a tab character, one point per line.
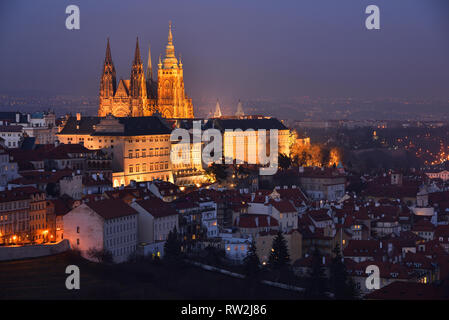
111	208
11	128
244	124
110	126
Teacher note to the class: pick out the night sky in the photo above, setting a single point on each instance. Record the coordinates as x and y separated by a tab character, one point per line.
233	48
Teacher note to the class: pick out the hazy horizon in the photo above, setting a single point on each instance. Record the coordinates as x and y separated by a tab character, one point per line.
234	49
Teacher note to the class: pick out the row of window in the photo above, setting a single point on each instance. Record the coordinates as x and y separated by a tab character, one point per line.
122	239
151	152
120	228
151	167
153	139
164	225
37	217
13	205
39	206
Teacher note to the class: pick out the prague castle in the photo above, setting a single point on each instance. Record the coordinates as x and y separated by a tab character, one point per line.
141	95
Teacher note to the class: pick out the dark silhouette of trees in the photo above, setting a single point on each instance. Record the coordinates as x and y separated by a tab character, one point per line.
252	262
218	171
284	161
341	284
100	255
279	256
316	282
172	247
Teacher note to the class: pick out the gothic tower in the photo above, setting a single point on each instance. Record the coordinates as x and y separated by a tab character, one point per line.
138	86
143	96
172	100
217	113
107	84
239	112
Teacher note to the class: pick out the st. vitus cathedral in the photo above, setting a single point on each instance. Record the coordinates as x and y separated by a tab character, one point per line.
142	95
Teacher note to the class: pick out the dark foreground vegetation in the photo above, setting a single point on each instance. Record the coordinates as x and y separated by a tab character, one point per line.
44	278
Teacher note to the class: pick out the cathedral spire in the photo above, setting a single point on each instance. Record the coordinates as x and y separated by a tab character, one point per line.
108	80
108	57
239	112
137	81
149	66
170	60
217	113
137	59
170	35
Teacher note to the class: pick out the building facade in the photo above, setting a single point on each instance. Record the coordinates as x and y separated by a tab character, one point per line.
106	225
139	146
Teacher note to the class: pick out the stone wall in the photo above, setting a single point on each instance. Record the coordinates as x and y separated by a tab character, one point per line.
33	251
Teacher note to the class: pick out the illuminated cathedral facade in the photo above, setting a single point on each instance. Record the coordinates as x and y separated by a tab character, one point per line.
142	95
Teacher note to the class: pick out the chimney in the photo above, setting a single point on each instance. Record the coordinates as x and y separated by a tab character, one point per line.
78	116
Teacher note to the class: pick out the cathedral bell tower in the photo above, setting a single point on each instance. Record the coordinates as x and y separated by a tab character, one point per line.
172	100
107	84
138	86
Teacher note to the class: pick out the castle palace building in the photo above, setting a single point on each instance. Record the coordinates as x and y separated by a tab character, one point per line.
141	95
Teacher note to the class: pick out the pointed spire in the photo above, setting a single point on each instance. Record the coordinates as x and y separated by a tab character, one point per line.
108	80
217	113
170	35
239	112
108	57
149	66
137	53
170	60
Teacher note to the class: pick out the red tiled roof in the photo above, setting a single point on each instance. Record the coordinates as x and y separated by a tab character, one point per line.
11	128
37	177
111	208
364	248
157	207
423	225
283	206
16	194
256	221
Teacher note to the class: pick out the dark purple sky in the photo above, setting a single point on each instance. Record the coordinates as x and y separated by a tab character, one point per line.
233	48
